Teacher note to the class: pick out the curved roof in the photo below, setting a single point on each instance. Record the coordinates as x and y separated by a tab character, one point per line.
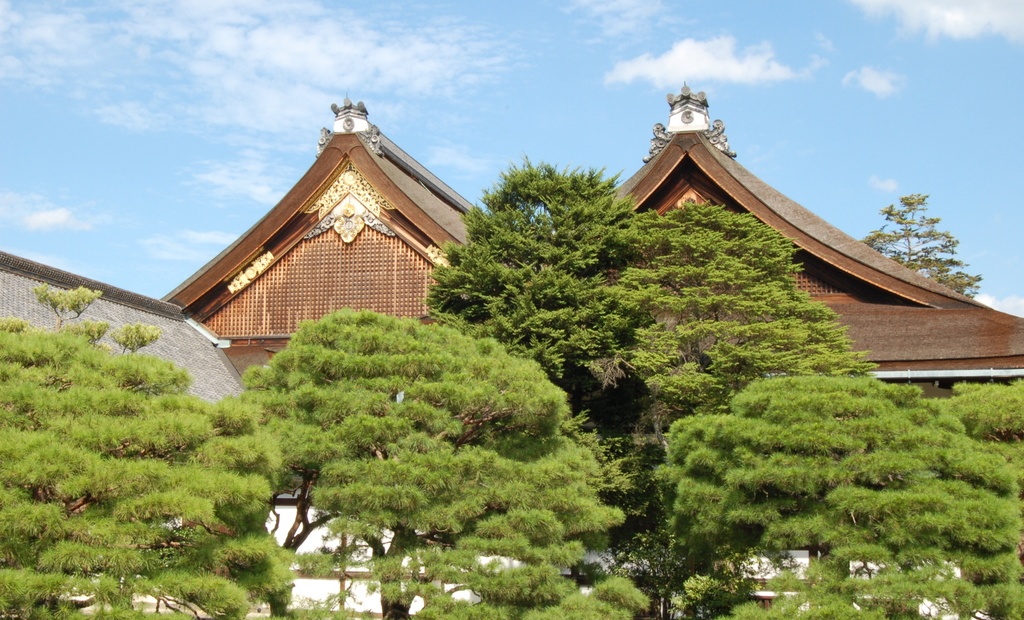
903	320
808	231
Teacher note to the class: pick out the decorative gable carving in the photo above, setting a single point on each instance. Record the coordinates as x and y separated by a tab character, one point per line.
348	205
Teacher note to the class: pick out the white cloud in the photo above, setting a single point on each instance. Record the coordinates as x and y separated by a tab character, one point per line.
35	212
1010	305
956	19
621	17
714	60
38	48
258	65
824	42
131	115
459	158
881	83
187	245
883	185
250	177
53	219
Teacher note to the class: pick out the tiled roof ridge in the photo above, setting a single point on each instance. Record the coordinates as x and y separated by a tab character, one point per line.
64	279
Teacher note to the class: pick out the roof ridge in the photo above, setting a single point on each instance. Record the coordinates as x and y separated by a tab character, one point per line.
58	277
428	178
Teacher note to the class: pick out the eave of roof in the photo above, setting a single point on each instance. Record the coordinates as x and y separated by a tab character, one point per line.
804	228
960	338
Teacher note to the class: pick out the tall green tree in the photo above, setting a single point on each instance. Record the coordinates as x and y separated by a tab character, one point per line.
114	484
912	238
536	271
441	463
897	506
720	287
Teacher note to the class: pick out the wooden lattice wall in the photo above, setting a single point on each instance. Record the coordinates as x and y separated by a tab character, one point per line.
814	286
323	274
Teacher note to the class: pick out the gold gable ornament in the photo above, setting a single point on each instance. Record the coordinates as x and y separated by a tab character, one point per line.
250	273
348	205
437	256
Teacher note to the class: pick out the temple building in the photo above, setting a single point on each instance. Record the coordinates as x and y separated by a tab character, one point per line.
914	328
361	229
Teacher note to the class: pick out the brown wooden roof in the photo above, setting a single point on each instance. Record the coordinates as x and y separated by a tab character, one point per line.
295	277
901	318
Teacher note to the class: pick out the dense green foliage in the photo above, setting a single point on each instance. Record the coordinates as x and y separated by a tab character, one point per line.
721	288
115	484
896	504
446	458
641	318
915	242
536	271
994	414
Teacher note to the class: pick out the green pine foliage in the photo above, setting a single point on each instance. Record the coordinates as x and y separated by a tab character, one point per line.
896	504
721	288
65	304
134	336
114	484
442	455
536	271
994	414
915	241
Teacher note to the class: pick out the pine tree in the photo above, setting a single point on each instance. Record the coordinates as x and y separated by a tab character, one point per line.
436	458
721	288
115	485
536	271
915	242
895	503
994	415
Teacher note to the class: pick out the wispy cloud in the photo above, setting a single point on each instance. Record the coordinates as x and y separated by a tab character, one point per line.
132	115
36	212
713	60
955	19
187	245
258	64
39	47
250	177
458	157
882	83
824	42
620	17
883	185
1011	305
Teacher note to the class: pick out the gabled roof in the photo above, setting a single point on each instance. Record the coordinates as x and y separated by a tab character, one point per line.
181	343
690	161
419	209
901	318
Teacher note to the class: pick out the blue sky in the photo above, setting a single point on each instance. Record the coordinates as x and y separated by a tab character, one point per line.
139	138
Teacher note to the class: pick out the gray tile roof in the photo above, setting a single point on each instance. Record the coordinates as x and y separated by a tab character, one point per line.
213	377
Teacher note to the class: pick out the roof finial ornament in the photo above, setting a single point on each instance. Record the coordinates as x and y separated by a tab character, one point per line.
689	113
351	118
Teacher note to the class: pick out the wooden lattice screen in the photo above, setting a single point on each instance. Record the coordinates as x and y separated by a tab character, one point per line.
814	286
322	274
